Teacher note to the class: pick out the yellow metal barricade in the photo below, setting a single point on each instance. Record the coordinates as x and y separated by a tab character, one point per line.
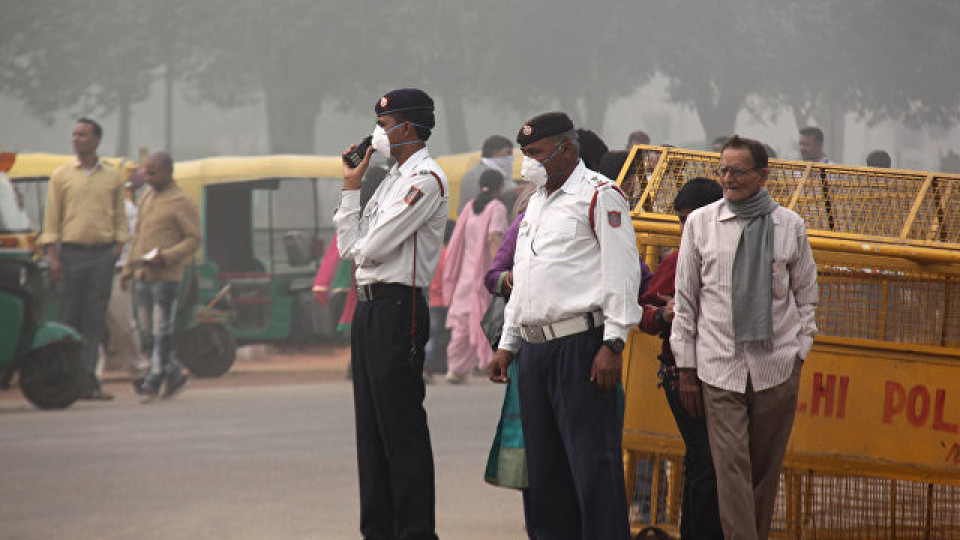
875	449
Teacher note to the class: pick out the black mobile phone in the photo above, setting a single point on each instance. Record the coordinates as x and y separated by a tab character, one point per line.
355	156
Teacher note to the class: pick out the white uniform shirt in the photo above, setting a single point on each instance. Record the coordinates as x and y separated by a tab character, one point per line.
702	335
563	268
412	201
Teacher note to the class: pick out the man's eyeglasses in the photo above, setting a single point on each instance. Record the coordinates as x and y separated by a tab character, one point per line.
733	171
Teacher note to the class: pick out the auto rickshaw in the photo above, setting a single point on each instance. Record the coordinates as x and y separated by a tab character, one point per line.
266	224
43	356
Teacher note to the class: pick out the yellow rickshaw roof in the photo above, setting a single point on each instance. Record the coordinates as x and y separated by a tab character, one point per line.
37	164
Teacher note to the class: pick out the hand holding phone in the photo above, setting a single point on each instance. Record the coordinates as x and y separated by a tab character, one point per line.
355	156
355	164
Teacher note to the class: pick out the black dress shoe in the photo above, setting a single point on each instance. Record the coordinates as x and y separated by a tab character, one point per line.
97	395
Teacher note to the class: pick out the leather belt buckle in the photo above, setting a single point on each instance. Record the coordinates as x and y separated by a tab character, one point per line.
534	334
365	293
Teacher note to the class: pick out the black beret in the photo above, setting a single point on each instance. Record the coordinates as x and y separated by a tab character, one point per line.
544	125
404	100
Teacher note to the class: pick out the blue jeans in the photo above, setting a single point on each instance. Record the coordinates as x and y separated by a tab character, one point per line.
154	305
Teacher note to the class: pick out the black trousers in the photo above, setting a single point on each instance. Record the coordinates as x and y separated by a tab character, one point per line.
573	441
87	283
699	512
394	455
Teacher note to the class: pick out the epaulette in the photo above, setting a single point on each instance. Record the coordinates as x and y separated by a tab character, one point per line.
600	185
435	175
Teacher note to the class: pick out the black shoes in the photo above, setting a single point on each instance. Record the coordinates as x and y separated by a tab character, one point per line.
97	394
175	384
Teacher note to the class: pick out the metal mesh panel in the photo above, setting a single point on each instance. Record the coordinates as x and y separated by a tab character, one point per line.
657	487
851	200
818	506
858	202
866	303
812	505
938	218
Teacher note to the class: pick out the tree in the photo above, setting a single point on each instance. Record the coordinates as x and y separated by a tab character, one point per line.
52	63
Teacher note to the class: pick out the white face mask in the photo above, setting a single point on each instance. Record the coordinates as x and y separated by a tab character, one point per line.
533	171
380	142
504	164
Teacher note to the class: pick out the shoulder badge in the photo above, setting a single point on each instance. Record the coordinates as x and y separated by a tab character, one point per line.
413	195
436	177
613	218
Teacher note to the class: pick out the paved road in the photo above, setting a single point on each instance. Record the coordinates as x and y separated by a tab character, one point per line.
264	462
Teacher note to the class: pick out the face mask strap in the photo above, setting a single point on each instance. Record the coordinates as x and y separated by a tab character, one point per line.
400	124
557	149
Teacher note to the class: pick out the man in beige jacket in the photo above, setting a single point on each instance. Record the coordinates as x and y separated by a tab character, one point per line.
166	235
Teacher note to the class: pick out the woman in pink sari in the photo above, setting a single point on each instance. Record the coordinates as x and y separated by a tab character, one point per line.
472	247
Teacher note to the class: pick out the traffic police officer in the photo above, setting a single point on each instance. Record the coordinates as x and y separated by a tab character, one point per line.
395	245
576	282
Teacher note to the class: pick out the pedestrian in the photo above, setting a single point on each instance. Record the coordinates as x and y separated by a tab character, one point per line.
637	137
84	230
507	460
395	245
746	296
473	245
123	346
811	145
592	148
576	280
166	236
435	360
496	154
699	514
879	158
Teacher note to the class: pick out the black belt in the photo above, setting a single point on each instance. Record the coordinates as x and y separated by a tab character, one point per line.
384	291
88	247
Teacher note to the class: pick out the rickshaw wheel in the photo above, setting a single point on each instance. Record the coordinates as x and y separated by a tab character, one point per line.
53	377
207	349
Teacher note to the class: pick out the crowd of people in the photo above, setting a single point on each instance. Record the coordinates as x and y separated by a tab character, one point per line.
733	306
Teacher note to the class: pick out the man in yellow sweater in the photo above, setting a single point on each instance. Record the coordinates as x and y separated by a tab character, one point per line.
166	235
84	229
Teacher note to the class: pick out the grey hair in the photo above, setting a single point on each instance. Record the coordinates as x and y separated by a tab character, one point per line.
571	136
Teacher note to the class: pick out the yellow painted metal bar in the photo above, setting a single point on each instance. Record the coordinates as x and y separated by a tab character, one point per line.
800	184
917	203
919	254
942	206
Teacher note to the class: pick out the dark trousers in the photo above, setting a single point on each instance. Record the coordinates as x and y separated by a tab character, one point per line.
394	455
699	512
87	283
439	339
573	442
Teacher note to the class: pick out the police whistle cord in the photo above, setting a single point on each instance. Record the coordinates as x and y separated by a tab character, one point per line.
413	303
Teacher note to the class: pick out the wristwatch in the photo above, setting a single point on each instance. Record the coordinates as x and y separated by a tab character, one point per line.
615	345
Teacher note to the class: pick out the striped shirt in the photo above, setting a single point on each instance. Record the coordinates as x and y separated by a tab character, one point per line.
703	337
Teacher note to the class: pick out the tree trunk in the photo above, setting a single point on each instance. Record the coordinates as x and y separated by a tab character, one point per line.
831	117
718	116
595	107
456	123
123	129
168	79
291	117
